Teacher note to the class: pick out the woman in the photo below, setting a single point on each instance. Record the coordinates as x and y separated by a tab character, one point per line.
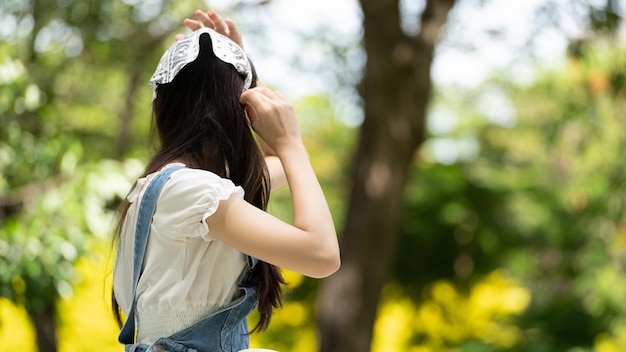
193	227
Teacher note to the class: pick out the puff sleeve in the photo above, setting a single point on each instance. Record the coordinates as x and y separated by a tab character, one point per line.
187	199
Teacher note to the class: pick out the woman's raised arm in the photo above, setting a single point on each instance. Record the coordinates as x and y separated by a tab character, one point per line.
309	246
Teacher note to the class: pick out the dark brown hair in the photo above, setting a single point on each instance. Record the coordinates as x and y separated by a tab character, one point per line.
199	120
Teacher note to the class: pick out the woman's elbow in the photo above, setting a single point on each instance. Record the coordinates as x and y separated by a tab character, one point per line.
334	264
327	265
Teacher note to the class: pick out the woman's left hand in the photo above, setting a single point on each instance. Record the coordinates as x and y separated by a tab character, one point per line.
213	20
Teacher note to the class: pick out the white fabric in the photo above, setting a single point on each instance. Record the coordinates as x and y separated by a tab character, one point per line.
186	50
187	274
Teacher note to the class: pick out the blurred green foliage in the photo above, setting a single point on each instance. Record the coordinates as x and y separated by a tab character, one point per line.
39	246
543	198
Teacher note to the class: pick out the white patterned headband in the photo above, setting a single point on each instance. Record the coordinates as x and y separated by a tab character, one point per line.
186	50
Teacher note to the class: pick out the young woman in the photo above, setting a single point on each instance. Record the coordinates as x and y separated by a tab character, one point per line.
196	250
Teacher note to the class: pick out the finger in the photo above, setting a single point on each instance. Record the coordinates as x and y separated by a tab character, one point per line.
191	24
204	19
257	96
256	99
220	24
178	37
233	31
251	97
279	94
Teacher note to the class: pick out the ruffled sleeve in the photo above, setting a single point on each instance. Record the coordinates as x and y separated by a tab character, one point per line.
187	199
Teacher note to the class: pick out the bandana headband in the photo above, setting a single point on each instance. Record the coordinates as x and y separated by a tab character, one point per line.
186	50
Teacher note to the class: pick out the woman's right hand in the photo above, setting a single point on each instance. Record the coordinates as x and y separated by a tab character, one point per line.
272	117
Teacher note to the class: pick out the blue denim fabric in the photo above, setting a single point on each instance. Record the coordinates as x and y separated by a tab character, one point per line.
223	331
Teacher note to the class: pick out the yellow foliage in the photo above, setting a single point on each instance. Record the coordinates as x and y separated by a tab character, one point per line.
442	322
292	330
293	279
86	322
292	314
446	319
393	330
615	342
16	330
449	318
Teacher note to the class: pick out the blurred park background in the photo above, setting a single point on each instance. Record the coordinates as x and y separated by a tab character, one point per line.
471	151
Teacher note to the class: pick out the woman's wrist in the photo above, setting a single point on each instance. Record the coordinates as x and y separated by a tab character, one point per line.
287	149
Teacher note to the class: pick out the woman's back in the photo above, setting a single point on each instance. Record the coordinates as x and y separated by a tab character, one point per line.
186	273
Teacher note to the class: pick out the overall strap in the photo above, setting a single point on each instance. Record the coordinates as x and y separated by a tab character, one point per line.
144	220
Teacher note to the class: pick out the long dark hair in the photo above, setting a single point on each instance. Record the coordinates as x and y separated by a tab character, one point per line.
199	120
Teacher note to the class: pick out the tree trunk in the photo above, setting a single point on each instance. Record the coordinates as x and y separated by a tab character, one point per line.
45	328
143	56
125	135
396	91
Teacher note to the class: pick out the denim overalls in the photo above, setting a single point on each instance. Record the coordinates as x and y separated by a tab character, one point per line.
223	331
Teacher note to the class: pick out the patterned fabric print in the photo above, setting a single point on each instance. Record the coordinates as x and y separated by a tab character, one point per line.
231	53
186	50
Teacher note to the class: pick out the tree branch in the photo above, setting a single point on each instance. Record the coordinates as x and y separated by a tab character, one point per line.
433	19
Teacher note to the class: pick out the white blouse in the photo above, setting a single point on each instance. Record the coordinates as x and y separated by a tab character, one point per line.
187	274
